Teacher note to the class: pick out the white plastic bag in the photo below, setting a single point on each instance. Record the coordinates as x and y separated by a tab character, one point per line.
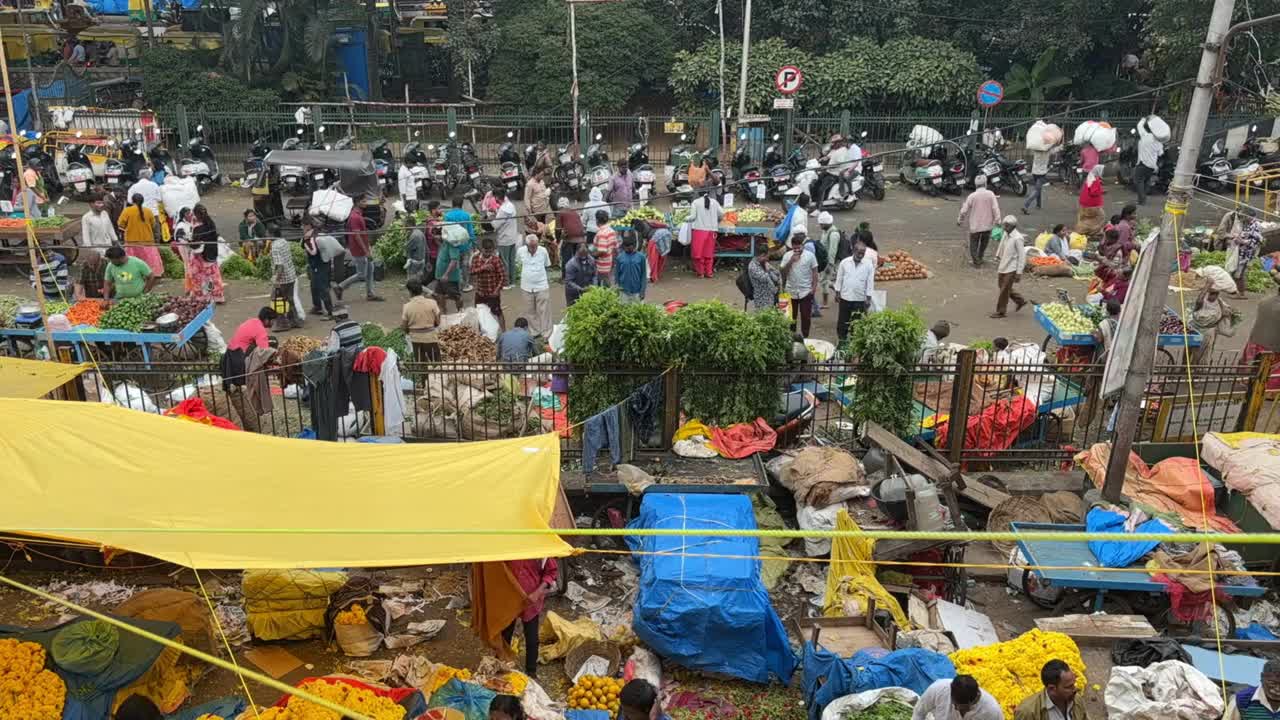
685	234
850	704
487	322
1042	136
127	394
1084	131
923	136
331	204
815	518
177	193
1158	128
217	343
879	301
224	251
1103	139
556	341
1167	689
291	391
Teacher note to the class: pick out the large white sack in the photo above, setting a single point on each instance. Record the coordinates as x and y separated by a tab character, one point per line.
1158	128
1052	134
1037	140
1103	139
331	204
177	193
1167	690
1084	131
923	135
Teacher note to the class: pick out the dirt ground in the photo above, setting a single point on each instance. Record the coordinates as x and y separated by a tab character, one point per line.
905	220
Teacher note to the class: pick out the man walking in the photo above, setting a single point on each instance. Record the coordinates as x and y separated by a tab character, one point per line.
1039	176
534	285
415	251
358	248
1009	262
855	279
1149	151
606	248
504	222
458	217
982	209
321	251
632	271
800	279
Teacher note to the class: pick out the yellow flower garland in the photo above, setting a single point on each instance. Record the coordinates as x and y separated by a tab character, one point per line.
27	690
1010	670
358	699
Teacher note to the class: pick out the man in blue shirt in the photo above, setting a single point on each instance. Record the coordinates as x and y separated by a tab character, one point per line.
462	217
631	271
516	344
448	276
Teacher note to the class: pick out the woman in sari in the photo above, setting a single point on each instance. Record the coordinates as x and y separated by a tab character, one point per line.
138	225
182	232
1089	217
204	277
1247	242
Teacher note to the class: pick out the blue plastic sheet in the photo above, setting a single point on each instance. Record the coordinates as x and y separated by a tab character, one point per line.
707	613
828	676
1113	553
467	698
1255	631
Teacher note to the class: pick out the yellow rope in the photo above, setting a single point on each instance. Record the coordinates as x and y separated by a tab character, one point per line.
166	642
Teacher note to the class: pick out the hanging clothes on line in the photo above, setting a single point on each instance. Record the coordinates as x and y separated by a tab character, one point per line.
601	431
319	375
643	406
393	406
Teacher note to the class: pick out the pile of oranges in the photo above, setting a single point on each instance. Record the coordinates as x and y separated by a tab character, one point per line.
595	693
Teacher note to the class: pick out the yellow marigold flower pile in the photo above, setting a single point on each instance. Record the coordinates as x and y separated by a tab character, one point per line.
595	693
27	690
363	701
444	674
353	615
1010	670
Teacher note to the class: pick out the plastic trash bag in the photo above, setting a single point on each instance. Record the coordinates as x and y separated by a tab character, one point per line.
467	698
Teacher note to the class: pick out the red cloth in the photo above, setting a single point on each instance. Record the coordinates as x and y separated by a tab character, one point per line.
1091	194
530	574
744	439
657	261
370	360
1253	350
194	409
1088	157
358	239
996	427
251	332
1186	606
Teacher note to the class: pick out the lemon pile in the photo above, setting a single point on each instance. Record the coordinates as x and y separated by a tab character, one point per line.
27	690
365	702
595	693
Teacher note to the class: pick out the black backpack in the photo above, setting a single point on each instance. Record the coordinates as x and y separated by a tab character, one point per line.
744	281
820	252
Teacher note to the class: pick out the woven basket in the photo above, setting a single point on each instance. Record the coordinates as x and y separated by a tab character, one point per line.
601	648
1016	509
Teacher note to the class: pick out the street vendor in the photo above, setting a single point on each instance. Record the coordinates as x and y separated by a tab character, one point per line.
536	578
88	285
959	698
1211	316
639	701
253	332
1057	700
932	339
420	319
253	235
125	276
1260	702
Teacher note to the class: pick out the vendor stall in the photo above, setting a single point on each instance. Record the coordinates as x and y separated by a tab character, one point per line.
57	232
119	344
1073	336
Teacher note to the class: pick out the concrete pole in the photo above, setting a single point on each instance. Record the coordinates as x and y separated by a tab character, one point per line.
1139	373
746	57
724	139
573	41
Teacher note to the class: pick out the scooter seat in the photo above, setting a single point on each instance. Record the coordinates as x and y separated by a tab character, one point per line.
925	162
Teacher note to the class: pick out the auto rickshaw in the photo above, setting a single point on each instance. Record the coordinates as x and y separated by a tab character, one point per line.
357	179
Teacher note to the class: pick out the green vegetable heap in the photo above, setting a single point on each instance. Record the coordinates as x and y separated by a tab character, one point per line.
131	314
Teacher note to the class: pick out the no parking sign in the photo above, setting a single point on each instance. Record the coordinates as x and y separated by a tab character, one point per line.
990	93
788	80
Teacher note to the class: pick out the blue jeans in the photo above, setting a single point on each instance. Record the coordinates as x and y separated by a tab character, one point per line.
364	269
601	431
1037	186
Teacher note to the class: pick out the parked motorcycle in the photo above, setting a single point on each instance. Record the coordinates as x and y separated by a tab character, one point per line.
294	179
780	176
471	178
122	171
253	165
1001	172
1066	165
569	174
873	177
1216	173
419	165
746	174
384	164
509	167
160	160
440	169
36	157
201	163
79	172
680	157
835	188
643	176
599	171
921	171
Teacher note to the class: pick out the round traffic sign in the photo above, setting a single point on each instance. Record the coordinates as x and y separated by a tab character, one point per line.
990	93
788	80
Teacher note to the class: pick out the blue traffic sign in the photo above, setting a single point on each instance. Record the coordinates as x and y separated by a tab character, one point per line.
990	93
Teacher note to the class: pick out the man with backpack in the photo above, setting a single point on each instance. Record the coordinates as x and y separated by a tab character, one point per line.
828	249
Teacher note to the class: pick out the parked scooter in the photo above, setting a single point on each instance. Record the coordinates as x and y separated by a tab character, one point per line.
920	169
471	180
79	172
419	165
201	165
643	176
681	155
509	167
253	165
294	179
599	171
780	173
746	174
569	174
384	165
440	169
1215	174
1001	172
122	172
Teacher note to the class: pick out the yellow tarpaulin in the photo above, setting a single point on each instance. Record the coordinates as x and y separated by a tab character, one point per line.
34	378
90	465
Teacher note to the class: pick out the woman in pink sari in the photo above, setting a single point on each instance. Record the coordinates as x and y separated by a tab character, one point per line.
204	278
139	227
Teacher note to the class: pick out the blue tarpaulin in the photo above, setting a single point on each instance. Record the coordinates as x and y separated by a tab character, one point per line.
1113	553
828	676
707	613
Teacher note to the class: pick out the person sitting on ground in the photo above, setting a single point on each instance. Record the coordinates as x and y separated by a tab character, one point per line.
126	276
505	707
639	701
1058	244
1057	700
516	345
420	319
932	340
958	698
1260	701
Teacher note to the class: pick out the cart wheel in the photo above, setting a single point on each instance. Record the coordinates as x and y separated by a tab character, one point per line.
956	578
604	519
1168	356
1223	618
151	382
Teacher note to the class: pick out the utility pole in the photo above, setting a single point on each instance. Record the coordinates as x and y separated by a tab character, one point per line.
746	57
573	91
723	120
1156	288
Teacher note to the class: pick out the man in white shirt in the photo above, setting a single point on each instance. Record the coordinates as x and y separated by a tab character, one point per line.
96	229
1149	151
841	161
147	188
800	278
957	699
504	222
855	279
408	186
534	284
1010	258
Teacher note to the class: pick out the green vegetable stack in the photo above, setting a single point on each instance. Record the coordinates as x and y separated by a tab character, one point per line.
173	267
9	305
1067	319
888	709
374	335
887	343
131	314
644	212
56	307
237	267
56	221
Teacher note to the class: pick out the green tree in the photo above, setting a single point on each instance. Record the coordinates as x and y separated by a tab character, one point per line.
622	50
1174	31
271	40
172	77
1036	83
